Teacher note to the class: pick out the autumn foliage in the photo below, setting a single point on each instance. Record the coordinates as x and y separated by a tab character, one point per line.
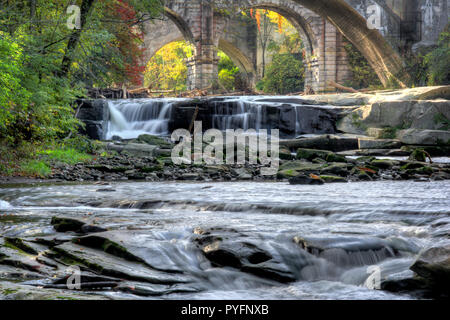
129	39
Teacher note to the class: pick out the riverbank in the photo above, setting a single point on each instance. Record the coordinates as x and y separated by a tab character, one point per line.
148	158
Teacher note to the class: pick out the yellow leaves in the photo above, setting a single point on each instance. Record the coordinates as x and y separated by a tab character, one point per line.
167	69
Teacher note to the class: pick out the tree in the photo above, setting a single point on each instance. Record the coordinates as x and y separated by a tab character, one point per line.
438	60
284	75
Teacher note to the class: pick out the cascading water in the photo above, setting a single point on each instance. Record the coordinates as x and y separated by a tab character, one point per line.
240	113
291	115
131	118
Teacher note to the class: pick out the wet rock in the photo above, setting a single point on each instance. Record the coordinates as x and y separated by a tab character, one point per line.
15	291
310	154
242	173
348	251
222	249
20	244
433	264
106	190
383	163
190	177
303	179
418	155
63	224
324	142
153	290
286	154
113	266
133	149
379	144
339	169
154	140
333	179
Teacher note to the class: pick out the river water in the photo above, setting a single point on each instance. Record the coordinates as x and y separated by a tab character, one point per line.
413	215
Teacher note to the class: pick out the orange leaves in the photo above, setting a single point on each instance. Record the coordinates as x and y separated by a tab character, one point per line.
258	19
251	13
367	170
280	24
313	176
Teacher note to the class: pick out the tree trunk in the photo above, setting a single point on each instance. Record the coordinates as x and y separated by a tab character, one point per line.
75	38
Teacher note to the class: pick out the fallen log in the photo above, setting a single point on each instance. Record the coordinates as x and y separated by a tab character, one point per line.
341	87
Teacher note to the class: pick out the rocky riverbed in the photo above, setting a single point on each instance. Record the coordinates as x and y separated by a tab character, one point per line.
225	240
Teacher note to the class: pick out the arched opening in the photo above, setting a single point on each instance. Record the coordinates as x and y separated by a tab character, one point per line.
167	72
285	49
240	60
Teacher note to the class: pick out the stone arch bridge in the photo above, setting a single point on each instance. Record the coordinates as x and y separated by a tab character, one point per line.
380	29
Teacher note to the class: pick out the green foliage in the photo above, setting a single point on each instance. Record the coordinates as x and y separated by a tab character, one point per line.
438	61
363	76
284	75
228	72
36	168
69	155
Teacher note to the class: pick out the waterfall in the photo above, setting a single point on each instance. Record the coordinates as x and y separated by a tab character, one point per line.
292	116
238	113
131	118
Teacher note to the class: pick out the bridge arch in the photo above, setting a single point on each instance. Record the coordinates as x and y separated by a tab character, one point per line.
301	19
385	61
240	60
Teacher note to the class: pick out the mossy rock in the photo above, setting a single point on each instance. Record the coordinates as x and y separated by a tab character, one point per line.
286	154
423	170
66	224
418	155
339	169
286	174
364	176
333	179
332	157
301	166
152	169
365	159
154	140
310	154
382	164
412	165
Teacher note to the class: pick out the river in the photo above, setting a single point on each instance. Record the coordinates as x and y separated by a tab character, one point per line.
159	219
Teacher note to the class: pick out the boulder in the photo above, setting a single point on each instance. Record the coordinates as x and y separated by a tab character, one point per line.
303	179
424	137
367	143
63	224
434	264
333	143
333	179
397	114
154	140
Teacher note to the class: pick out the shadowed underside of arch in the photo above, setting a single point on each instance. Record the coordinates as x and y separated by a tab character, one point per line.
239	59
181	24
